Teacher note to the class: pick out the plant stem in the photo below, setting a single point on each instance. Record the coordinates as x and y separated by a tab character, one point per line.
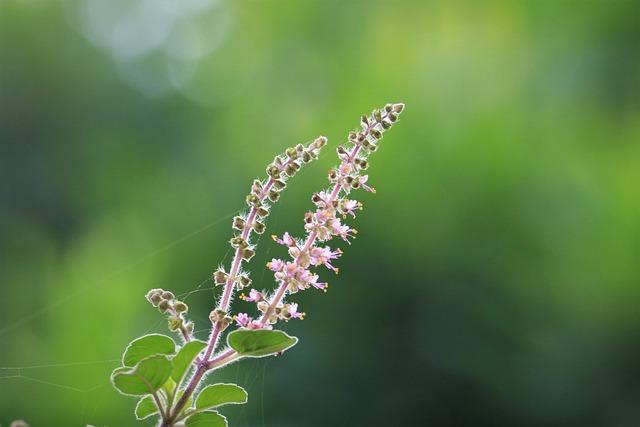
235	266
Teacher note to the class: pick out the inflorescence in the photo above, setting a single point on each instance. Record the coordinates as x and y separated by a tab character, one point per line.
322	225
154	368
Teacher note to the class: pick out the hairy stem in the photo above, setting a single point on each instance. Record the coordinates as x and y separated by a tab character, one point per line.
235	266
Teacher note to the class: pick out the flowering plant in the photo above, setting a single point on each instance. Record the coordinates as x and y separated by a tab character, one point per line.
165	376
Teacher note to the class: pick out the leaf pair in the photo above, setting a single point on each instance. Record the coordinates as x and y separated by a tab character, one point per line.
211	397
152	368
146	366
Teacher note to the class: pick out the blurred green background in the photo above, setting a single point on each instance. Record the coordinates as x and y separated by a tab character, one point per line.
495	279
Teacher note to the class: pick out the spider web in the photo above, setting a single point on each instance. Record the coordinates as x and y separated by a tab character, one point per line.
247	376
28	373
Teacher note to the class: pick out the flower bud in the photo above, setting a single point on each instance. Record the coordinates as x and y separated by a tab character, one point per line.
154	296
217	315
291	153
362	163
262	211
220	277
180	307
376	133
244	281
258	227
377	115
238	223
290	169
398	108
163	306
307	157
263	306
256	187
385	125
168	295
253	200
279	184
174	323
238	242
393	117
248	253
388	107
273	171
273	195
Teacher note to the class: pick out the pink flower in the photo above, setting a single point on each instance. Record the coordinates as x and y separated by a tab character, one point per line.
256	324
309	279
346	168
344	231
275	265
363	179
293	311
286	240
254	296
242	319
324	215
323	256
291	268
349	207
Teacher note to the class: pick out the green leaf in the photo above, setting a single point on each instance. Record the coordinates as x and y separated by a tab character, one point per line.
169	387
185	356
206	419
145	378
216	395
148	345
146	407
259	342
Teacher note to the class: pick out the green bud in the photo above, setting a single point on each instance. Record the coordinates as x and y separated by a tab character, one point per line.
258	227
238	242
174	323
273	171
180	307
292	153
247	254
253	200
290	169
273	195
